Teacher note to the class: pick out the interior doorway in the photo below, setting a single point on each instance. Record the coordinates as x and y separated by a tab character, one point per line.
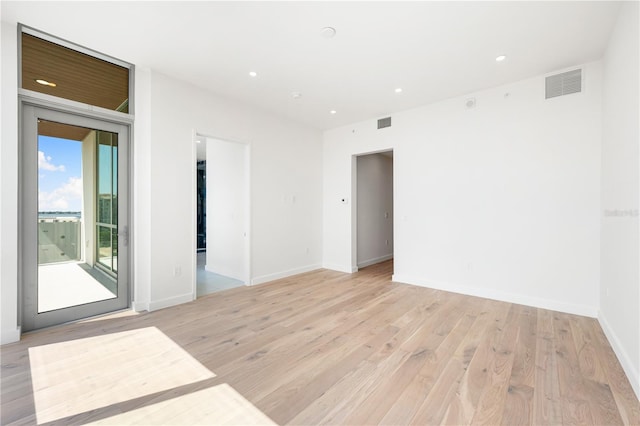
222	215
74	209
373	208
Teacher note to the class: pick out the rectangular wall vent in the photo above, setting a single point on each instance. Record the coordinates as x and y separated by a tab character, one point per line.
563	84
384	122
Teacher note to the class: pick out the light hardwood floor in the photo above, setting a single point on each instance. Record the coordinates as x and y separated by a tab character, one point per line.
326	348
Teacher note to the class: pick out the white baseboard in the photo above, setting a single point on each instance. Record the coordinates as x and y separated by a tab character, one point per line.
140	306
632	374
10	336
340	268
553	305
375	260
154	305
284	274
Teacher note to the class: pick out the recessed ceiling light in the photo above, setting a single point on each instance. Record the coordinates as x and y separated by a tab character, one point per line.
253	74
45	83
500	58
398	90
328	32
296	95
333	111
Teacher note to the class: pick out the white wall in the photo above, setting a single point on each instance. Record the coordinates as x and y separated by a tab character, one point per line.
88	228
285	169
620	278
10	330
140	227
374	209
500	201
226	207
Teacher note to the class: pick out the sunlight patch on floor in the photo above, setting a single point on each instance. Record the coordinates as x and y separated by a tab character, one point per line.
128	312
217	405
73	377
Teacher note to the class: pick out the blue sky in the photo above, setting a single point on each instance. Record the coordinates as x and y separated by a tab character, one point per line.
59	174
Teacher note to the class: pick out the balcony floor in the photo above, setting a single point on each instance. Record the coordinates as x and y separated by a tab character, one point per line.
61	285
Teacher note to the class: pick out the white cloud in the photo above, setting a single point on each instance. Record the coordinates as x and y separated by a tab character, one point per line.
44	163
68	197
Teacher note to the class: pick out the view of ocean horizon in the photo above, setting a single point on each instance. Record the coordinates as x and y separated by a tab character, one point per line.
51	215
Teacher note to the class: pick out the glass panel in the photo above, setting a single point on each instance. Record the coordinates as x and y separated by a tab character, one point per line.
59	71
114	185
114	251
59	197
66	237
104	246
105	180
107	202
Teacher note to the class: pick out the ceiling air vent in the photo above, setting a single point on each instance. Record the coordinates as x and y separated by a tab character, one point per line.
563	84
384	122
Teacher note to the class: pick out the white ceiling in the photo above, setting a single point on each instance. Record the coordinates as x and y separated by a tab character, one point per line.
432	50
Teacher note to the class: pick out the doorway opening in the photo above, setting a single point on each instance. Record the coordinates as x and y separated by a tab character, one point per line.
222	215
373	183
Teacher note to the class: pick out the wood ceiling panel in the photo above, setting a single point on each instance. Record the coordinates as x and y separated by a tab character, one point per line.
64	131
77	76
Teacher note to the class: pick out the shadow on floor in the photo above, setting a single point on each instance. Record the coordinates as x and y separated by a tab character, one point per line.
108	282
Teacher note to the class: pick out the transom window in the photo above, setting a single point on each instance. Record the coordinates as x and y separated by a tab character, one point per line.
60	71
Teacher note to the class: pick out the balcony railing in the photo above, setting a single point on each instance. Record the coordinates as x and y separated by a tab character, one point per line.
59	240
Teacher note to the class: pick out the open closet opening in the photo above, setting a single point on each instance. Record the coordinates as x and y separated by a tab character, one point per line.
374	208
221	215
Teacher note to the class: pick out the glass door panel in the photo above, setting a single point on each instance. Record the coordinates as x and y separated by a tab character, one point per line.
71	229
107	220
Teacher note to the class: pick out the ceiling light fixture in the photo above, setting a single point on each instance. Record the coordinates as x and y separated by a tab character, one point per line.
296	95
253	74
500	58
333	111
398	90
328	32
45	83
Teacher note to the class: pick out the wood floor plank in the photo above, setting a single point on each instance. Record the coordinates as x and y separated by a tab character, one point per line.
338	402
573	396
479	346
439	379
294	396
546	396
623	394
518	409
586	349
330	348
422	345
335	343
418	396
492	401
